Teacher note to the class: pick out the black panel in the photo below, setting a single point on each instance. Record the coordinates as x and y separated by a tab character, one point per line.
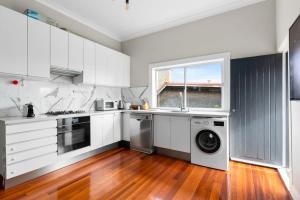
295	60
216	123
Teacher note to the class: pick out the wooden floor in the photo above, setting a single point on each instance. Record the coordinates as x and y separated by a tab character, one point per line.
124	174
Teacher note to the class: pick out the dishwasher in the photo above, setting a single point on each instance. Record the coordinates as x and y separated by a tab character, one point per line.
141	132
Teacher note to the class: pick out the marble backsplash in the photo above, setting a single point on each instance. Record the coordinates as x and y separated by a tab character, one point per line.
59	93
136	95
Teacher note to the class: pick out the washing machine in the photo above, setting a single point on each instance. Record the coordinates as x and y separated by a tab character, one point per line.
210	142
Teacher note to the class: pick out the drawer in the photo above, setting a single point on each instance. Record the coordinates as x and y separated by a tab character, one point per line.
30	165
17	128
23	146
31	135
25	155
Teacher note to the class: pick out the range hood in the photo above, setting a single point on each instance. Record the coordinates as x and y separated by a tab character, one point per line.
64	71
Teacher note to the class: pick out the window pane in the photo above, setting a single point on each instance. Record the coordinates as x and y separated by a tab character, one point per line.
204	85
169	85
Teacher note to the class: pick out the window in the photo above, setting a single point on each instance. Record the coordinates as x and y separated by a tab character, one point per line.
204	85
199	84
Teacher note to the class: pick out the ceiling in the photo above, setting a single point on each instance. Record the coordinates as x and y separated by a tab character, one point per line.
143	17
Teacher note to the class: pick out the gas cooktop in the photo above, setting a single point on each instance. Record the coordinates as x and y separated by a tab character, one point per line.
65	112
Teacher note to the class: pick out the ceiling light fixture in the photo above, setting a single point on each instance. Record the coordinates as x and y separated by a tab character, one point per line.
127	4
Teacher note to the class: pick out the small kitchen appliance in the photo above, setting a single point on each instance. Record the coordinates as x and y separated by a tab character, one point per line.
28	110
103	105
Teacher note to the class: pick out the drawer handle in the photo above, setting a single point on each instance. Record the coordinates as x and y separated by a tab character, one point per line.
12	172
12	159
12	149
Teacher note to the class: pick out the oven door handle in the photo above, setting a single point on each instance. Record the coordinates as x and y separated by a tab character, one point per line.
73	124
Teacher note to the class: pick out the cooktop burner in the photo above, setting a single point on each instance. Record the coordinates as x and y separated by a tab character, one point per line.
65	112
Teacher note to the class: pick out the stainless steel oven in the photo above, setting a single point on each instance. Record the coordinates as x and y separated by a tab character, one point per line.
73	133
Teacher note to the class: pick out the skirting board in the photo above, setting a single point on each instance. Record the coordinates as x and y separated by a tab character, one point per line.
39	172
255	163
173	154
295	194
285	178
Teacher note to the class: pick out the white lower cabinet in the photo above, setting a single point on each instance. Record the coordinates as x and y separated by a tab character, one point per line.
105	129
181	134
32	153
162	131
126	127
172	132
117	127
96	131
28	146
30	165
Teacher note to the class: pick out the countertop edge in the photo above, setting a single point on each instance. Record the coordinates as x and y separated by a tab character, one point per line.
19	120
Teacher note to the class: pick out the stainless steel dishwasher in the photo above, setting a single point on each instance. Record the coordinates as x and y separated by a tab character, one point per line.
141	132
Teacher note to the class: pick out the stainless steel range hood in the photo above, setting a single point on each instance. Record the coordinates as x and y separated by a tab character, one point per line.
64	71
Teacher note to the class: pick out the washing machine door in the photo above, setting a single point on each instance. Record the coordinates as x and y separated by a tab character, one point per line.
208	141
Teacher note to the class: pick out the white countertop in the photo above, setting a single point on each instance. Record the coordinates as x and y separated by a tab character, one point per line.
184	113
17	120
20	119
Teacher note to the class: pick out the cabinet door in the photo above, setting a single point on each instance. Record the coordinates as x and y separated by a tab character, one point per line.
108	129
111	69
38	48
117	127
96	131
162	132
75	52
181	134
101	65
89	59
13	42
126	127
126	71
59	48
123	70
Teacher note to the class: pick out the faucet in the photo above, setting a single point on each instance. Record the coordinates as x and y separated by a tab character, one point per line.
182	108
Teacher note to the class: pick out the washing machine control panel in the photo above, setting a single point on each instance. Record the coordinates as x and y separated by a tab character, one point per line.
207	123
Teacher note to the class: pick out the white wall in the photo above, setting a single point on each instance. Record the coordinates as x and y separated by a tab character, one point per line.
286	13
295	128
64	21
248	31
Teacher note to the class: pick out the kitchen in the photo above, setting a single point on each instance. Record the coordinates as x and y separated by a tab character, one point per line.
205	98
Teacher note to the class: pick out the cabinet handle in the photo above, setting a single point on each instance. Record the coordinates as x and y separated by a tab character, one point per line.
12	172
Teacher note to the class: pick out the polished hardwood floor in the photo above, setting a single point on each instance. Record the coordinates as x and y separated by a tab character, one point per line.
125	174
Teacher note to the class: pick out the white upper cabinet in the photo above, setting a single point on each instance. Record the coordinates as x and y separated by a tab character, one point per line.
29	47
101	65
13	42
125	70
59	48
89	60
112	67
38	49
75	52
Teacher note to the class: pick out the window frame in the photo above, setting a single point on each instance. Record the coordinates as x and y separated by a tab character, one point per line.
223	58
